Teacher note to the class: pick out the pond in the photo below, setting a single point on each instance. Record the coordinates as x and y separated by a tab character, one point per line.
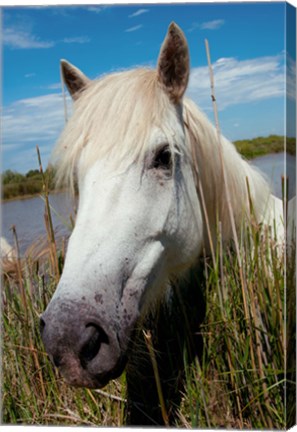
28	217
272	166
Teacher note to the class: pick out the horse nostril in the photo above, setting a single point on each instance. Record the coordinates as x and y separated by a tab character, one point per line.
41	325
96	337
57	360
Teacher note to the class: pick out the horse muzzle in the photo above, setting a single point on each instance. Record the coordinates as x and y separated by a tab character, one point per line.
82	346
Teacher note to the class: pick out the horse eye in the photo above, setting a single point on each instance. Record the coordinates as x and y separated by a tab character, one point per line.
163	159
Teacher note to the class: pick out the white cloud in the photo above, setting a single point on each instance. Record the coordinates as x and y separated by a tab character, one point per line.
212	25
30	75
30	122
20	38
138	12
23	39
77	39
54	86
11	147
208	25
96	9
238	81
133	29
34	119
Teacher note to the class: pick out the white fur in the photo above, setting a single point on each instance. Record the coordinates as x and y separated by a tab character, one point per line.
132	225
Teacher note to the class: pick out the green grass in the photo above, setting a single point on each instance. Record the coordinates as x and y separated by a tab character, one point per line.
239	382
33	392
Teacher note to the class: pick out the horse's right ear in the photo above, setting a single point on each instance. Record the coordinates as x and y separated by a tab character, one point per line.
74	79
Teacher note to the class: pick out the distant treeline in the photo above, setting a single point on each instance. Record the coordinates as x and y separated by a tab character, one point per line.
16	184
261	146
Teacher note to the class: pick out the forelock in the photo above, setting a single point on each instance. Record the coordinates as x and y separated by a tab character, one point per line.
112	118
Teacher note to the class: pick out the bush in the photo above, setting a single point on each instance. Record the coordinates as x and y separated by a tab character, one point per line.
17	185
264	145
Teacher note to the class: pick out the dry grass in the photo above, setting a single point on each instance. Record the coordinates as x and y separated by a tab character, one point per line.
239	382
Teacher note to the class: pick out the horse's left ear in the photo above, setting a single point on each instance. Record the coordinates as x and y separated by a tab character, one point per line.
74	79
174	63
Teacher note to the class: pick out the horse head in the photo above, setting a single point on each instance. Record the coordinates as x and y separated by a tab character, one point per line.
139	221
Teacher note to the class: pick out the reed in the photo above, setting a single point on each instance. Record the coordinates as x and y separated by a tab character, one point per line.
33	392
238	382
242	373
242	370
48	220
149	343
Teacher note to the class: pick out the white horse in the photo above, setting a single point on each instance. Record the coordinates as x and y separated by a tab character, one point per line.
149	169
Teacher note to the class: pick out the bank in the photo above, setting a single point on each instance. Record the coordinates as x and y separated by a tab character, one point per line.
18	186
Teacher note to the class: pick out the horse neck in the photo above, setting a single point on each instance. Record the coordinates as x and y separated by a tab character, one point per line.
223	179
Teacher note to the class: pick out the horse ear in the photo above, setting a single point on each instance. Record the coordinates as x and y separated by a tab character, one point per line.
174	63
74	79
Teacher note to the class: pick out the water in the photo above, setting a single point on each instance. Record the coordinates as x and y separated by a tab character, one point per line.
28	217
27	214
272	166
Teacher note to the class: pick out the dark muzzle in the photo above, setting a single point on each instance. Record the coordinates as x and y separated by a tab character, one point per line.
82	343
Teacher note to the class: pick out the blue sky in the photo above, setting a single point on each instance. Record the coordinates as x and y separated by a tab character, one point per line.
247	46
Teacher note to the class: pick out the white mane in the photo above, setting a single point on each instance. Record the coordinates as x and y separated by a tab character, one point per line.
113	117
205	148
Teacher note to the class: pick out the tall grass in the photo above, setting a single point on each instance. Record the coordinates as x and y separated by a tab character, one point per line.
33	392
238	383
